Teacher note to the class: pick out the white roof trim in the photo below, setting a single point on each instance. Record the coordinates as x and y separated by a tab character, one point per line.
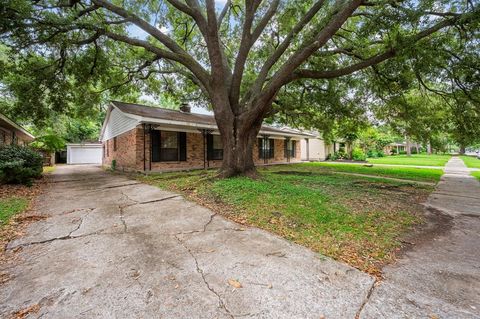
84	144
104	125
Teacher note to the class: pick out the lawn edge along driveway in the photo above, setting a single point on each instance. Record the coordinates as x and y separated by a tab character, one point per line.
114	247
355	218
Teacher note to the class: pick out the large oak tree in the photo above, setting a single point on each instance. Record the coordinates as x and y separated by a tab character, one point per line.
240	55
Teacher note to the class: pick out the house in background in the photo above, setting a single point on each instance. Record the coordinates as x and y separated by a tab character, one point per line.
317	149
144	138
401	147
12	133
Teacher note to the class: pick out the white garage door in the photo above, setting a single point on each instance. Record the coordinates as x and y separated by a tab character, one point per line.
84	154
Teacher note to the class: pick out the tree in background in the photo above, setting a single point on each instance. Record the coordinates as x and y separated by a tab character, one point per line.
375	139
465	124
238	58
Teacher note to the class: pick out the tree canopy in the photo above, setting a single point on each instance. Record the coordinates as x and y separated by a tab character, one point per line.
239	57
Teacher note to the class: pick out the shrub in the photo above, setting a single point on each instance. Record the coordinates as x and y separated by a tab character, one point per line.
371	153
358	155
380	154
114	164
19	164
338	155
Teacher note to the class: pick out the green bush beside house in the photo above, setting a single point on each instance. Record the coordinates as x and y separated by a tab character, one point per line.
19	165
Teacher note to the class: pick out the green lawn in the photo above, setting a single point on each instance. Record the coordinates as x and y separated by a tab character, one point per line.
11	206
414	159
471	161
355	219
48	169
411	173
476	174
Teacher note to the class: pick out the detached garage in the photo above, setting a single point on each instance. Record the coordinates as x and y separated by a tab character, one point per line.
87	153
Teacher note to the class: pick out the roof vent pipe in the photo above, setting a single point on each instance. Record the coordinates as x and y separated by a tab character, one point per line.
185	108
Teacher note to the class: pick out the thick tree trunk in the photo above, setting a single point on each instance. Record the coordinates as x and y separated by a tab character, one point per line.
429	149
239	133
462	149
409	148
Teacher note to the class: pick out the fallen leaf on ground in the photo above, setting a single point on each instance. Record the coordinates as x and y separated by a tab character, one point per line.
25	312
234	283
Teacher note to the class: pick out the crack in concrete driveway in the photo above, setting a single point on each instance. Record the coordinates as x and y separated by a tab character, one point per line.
183	253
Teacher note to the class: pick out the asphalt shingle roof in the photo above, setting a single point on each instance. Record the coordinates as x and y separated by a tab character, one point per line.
174	115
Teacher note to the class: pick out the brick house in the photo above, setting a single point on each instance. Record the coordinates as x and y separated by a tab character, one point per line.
144	138
12	133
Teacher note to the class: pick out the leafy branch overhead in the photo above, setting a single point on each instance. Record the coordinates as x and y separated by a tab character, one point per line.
237	56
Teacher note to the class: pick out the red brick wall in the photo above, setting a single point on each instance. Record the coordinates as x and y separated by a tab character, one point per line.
278	154
4	132
126	153
130	153
195	155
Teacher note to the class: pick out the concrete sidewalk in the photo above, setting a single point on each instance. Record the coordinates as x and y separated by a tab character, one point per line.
115	248
439	278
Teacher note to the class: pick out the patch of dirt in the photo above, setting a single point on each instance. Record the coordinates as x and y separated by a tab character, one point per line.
404	188
436	224
301	173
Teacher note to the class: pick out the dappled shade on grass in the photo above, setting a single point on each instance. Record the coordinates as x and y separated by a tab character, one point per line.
355	219
414	159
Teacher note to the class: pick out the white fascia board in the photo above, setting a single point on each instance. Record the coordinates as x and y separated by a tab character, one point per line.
107	118
180	129
183	124
150	120
278	135
84	145
120	133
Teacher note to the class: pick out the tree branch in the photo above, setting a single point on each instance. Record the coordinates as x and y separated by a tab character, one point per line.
284	46
224	12
300	56
328	74
248	40
180	55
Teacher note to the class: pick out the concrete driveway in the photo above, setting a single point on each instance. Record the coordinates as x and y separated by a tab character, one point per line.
115	248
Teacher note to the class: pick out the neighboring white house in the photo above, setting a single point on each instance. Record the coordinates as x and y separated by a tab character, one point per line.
316	149
313	149
86	153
